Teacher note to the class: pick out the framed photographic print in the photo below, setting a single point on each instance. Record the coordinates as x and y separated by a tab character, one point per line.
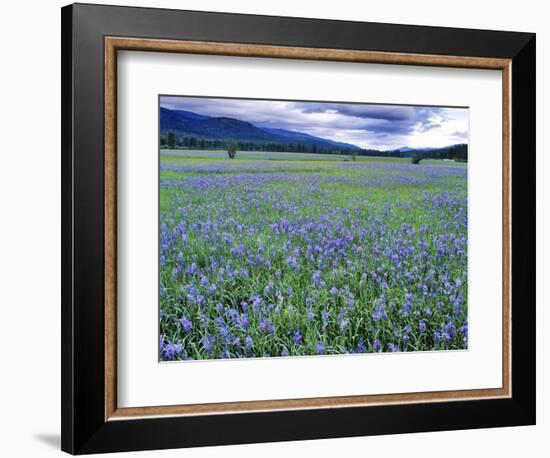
282	228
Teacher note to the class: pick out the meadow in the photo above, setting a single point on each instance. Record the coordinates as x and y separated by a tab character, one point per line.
295	254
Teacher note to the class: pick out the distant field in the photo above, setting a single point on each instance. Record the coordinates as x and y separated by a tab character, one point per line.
276	254
258	155
242	155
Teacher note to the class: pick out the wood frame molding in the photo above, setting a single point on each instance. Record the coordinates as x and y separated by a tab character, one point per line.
114	44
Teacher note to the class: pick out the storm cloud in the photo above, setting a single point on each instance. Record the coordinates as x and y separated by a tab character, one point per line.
366	125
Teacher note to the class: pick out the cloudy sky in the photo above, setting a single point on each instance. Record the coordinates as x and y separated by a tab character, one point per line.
365	125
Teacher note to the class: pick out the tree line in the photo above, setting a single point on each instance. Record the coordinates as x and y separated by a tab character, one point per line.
457	152
172	141
169	140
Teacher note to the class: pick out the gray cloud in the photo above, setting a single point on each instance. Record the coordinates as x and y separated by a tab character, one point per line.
460	135
366	125
366	111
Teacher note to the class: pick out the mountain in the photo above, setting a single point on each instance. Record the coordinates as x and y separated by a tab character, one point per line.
427	151
405	149
298	137
189	124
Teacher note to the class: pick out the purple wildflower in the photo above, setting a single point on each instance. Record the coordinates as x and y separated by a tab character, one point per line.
393	347
361	346
171	351
186	323
248	343
320	348
422	326
244	321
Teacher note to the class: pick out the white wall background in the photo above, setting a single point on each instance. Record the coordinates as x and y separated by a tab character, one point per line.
30	227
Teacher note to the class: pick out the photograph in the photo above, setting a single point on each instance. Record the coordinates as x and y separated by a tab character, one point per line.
309	228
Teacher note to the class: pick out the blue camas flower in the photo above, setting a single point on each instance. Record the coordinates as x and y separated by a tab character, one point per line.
422	326
320	348
171	351
186	323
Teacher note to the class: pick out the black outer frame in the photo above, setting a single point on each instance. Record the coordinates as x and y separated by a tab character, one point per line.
84	429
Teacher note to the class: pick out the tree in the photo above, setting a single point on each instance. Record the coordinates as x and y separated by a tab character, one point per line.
171	140
163	140
416	158
232	149
354	155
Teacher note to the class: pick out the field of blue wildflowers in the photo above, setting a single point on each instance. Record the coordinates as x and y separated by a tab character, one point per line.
276	257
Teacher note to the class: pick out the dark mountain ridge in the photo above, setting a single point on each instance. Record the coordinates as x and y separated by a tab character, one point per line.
188	124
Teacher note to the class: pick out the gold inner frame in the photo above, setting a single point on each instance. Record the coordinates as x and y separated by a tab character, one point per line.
114	44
